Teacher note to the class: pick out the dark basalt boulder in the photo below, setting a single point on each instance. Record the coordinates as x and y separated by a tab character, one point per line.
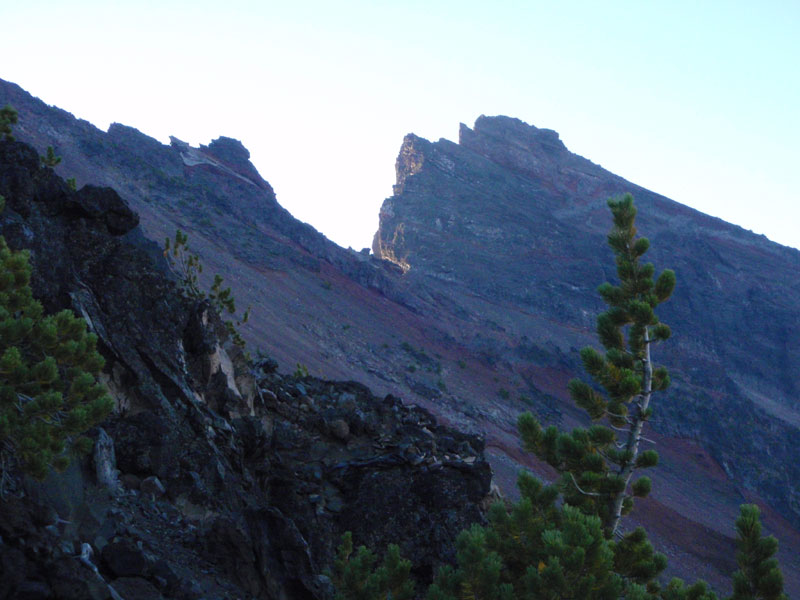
124	559
106	205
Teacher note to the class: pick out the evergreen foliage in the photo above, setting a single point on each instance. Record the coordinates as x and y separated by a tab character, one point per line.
301	372
8	117
187	266
50	159
533	550
356	577
49	394
536	550
758	577
597	464
677	590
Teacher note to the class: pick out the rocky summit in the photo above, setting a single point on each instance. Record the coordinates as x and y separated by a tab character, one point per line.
478	294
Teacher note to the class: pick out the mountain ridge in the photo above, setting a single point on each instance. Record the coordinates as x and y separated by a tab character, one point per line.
215	476
409	329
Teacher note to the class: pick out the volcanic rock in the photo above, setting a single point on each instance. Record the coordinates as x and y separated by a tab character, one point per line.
224	501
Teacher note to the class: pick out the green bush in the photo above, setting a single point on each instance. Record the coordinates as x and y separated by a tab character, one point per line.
356	577
49	394
187	267
8	117
50	159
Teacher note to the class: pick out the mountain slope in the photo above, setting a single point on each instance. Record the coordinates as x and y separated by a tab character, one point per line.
492	250
510	223
213	477
510	215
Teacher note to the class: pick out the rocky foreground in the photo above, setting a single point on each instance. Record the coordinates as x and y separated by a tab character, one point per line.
215	478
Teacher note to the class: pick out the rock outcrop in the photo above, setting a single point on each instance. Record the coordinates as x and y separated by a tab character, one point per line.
510	226
213	478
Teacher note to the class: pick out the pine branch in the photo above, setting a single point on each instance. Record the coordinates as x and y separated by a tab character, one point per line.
615	428
582	491
625	418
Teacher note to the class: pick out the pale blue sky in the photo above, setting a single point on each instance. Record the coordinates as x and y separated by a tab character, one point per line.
699	101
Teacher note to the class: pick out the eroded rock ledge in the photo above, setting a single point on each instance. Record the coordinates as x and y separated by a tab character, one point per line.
220	479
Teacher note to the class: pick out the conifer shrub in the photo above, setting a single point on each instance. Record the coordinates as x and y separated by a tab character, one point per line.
50	159
538	550
8	117
49	393
187	267
356	577
759	577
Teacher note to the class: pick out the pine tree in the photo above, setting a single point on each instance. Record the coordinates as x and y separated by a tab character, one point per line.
50	159
758	577
185	264
187	267
8	117
597	464
49	395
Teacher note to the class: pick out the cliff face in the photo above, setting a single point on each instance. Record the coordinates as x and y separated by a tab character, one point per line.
482	291
510	221
210	480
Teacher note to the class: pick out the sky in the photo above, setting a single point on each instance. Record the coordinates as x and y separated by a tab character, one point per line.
698	101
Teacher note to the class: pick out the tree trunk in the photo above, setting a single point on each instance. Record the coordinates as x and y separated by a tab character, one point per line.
634	436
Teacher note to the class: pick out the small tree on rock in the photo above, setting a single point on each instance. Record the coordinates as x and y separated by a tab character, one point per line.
187	267
49	394
50	159
8	117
